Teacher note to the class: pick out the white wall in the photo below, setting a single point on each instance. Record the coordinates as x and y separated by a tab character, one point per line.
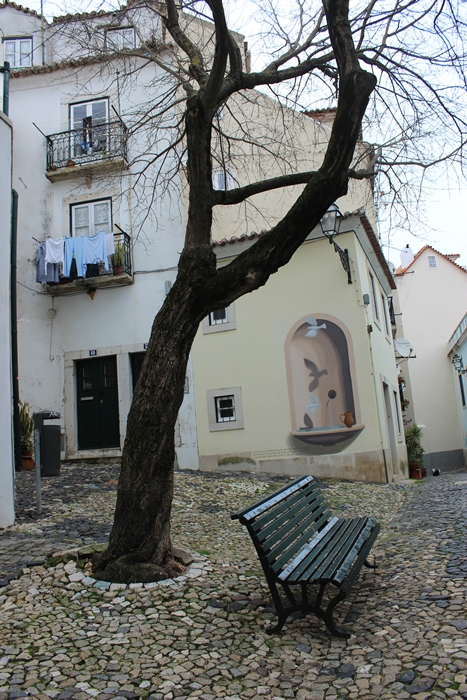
7	513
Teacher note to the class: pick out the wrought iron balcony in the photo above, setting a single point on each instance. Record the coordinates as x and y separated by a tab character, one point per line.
84	150
97	276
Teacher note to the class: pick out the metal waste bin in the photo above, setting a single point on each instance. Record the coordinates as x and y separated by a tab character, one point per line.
49	443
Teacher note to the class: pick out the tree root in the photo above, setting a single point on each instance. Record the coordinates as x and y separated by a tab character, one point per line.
125	570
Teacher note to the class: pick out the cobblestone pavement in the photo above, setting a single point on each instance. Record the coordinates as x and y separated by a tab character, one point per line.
202	635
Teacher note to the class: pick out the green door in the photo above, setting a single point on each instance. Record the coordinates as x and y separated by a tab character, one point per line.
97	392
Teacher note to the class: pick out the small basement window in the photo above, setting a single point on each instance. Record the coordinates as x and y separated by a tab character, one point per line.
219	320
225	410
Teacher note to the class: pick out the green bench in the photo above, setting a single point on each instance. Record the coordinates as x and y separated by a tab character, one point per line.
299	542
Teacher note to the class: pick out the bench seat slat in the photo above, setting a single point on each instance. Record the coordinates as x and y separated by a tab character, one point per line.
277	564
345	566
339	550
300	498
311	568
296	524
246	515
286	573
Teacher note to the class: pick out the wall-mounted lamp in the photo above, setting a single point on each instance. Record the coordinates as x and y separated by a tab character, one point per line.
458	363
330	225
366	299
331	222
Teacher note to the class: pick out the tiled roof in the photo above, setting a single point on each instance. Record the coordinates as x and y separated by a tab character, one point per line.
51	67
378	250
365	223
402	270
20	8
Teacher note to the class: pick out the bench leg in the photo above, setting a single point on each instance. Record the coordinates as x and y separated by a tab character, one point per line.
328	619
370	566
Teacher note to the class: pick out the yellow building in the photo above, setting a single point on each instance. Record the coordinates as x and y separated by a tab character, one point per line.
300	377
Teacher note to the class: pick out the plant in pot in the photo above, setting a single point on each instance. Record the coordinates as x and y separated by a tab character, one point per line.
118	259
413	441
27	431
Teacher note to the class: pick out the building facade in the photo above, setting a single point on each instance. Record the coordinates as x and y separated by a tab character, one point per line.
432	290
300	377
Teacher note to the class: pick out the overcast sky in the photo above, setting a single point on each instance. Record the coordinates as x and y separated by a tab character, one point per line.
443	223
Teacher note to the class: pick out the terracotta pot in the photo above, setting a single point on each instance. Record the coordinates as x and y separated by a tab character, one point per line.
27	461
416	473
118	270
347	419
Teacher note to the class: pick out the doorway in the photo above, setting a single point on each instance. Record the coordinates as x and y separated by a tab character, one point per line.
390	427
97	394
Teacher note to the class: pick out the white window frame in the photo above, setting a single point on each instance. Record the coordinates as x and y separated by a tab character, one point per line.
374	298
88	104
229	325
384	304
429	258
223	179
21	59
115	38
214	394
91	225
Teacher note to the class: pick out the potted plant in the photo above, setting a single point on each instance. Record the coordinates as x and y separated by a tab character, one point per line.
27	430
118	259
413	441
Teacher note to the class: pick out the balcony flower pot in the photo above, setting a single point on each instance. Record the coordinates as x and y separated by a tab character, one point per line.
70	163
118	259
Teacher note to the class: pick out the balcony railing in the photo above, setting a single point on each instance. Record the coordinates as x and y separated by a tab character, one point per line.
97	276
87	145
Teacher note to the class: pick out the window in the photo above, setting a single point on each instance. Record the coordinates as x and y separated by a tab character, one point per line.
87	218
461	387
218	316
220	320
225	409
398	415
431	259
223	179
118	39
374	299
385	314
18	52
89	122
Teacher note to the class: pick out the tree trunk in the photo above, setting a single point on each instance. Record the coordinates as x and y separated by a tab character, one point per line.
140	547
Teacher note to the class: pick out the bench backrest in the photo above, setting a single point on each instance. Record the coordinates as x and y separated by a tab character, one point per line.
281	524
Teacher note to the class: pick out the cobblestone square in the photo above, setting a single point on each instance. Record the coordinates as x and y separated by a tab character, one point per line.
65	636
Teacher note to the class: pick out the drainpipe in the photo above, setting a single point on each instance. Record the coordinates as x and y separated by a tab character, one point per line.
6	87
14	331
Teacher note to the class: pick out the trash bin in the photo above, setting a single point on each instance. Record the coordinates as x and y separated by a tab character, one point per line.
49	443
50	446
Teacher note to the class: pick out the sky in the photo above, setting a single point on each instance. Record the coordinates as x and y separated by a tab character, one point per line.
442	222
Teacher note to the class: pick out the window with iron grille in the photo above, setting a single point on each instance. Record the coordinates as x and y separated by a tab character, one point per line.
225	409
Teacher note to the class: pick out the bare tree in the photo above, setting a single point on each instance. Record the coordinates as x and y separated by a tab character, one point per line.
397	68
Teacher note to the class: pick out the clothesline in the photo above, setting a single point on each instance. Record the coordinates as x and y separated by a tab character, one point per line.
85	250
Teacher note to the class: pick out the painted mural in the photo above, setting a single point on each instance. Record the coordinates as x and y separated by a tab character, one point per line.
321	382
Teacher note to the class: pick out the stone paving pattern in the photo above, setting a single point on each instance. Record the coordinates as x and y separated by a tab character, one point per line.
203	635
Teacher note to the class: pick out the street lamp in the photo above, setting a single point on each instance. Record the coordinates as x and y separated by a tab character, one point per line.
458	363
331	222
330	226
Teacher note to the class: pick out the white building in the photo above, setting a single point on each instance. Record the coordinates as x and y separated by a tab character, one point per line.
432	290
7	512
82	161
81	343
